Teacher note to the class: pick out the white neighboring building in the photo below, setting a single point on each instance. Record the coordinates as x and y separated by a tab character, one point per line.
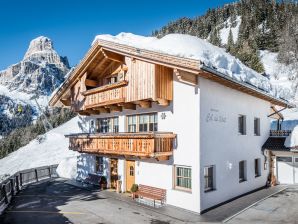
168	121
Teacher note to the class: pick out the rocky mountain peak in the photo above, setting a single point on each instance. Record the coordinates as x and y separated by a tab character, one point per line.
39	45
40	72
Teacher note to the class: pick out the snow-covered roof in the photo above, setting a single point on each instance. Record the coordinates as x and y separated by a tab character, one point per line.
182	52
192	47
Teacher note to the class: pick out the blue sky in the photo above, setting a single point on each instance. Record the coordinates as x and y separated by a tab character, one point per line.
73	24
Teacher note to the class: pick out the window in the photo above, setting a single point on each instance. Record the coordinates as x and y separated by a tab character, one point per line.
131	171
99	166
242	125
132	124
182	178
142	123
107	125
257	126
209	173
284	159
242	171
257	167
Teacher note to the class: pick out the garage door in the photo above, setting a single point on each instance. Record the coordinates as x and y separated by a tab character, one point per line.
285	170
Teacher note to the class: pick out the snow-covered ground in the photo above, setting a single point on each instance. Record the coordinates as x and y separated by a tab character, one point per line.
53	150
195	48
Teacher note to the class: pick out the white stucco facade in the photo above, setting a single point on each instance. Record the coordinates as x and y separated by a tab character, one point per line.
222	146
205	119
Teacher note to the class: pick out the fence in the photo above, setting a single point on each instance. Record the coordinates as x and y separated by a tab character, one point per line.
13	184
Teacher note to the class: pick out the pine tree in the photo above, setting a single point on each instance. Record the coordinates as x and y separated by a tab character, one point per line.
215	38
230	44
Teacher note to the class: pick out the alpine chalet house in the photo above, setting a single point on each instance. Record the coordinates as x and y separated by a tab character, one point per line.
175	113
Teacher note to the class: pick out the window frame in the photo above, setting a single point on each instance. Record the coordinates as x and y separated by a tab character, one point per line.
212	188
99	166
139	118
257	166
176	186
242	178
112	127
257	126
242	125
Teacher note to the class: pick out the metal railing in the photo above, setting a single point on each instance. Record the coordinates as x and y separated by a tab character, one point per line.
13	184
280	133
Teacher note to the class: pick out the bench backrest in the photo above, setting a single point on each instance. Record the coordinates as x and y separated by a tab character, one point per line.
152	190
93	178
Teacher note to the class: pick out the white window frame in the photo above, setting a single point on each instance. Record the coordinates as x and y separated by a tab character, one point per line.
133	122
99	167
176	186
113	127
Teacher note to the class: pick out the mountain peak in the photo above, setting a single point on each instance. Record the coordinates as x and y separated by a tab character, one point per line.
39	44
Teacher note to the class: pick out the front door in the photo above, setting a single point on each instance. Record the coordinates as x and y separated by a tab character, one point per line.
130	174
114	172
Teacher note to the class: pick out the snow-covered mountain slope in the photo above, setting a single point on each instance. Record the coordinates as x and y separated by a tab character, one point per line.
227	26
52	150
283	77
40	72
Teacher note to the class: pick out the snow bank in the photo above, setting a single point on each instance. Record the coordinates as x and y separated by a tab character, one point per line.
194	48
292	139
53	150
68	168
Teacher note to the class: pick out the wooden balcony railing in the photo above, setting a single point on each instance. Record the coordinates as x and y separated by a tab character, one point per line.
149	145
105	95
280	133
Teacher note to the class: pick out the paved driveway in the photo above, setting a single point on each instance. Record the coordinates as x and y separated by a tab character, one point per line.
55	202
279	208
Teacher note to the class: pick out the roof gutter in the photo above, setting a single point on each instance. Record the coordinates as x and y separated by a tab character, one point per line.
253	88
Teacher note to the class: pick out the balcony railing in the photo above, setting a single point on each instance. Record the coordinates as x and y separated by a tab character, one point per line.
149	145
280	133
105	95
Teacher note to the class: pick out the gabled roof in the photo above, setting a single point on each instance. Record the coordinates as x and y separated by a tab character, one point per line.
194	66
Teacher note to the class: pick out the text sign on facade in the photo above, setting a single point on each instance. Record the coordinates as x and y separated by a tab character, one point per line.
215	116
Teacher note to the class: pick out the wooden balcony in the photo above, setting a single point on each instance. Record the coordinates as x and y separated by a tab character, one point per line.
158	145
105	95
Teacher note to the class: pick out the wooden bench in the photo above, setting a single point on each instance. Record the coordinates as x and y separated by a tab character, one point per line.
95	179
152	193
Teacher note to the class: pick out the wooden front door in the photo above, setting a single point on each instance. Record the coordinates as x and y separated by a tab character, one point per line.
130	174
114	172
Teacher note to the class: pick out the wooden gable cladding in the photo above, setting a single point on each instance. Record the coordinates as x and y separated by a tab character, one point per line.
163	83
148	81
